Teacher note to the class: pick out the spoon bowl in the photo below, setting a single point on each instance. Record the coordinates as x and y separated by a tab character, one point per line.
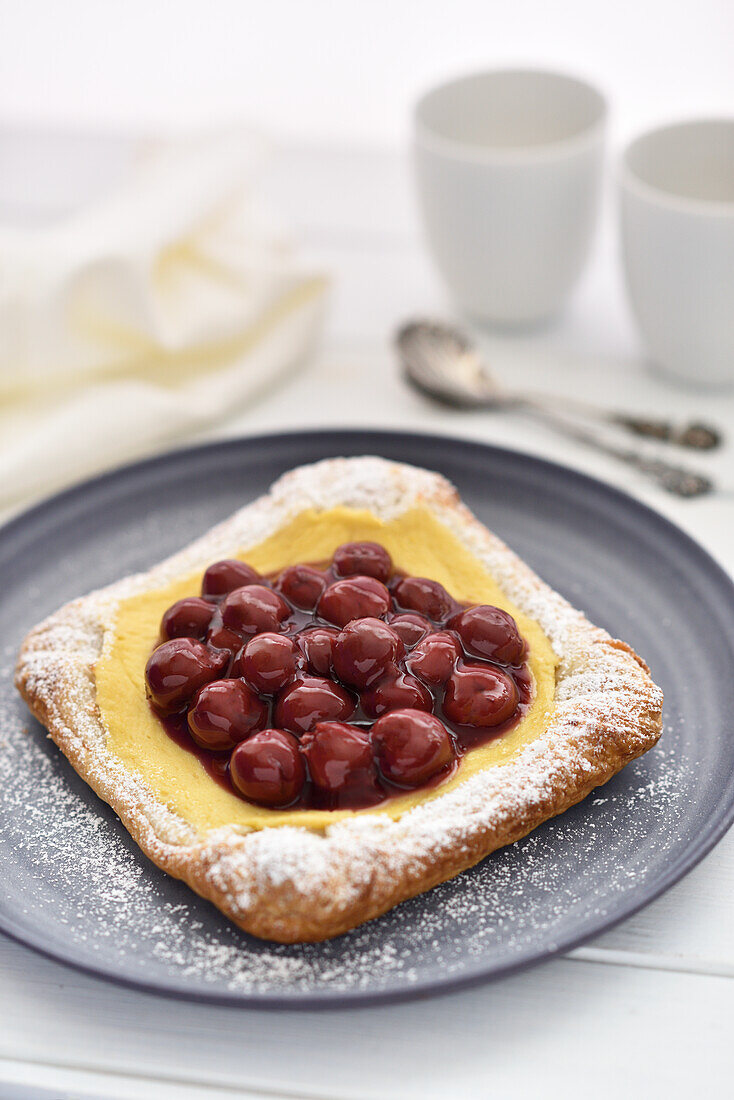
440	361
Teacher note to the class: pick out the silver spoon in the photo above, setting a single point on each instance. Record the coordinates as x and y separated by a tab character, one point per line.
439	361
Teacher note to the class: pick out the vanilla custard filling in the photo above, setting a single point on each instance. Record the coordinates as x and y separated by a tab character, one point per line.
420	545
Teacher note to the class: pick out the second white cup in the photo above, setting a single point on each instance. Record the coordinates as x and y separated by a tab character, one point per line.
677	213
508	167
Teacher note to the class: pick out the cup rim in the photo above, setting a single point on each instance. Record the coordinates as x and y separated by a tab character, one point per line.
629	179
427	137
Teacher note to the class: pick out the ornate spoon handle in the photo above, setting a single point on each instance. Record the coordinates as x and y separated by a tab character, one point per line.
674	479
695	435
692	434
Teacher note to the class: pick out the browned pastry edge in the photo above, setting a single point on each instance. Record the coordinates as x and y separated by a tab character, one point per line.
292	885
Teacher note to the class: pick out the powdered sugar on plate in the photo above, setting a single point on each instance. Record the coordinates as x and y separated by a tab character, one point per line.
73	873
290	883
76	884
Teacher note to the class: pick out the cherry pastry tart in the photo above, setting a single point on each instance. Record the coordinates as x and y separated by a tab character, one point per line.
346	693
335	685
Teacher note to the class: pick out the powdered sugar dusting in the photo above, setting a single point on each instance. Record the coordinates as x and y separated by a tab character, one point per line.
291	883
85	882
109	903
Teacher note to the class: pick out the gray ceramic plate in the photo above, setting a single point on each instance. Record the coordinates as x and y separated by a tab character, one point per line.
74	886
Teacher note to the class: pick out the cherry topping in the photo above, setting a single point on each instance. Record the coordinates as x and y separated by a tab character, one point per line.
218	637
177	669
311	700
339	756
317	646
354	598
365	651
268	768
267	662
224	576
427	597
411	746
302	585
478	695
410	627
368	559
397	691
388	659
434	658
187	618
254	609
224	713
491	633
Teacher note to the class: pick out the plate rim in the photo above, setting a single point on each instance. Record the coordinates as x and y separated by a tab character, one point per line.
722	819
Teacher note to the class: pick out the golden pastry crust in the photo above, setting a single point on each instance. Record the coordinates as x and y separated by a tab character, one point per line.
295	885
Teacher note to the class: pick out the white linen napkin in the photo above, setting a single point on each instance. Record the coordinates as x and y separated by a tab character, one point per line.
145	317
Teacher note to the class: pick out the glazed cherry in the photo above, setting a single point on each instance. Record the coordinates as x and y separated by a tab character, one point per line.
396	692
177	669
254	610
410	627
268	768
411	747
427	597
224	576
365	651
354	598
317	646
218	637
302	585
339	757
368	559
310	700
187	618
224	713
491	633
478	695
316	687
434	658
267	662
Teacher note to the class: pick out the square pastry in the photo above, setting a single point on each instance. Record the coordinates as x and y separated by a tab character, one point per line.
344	694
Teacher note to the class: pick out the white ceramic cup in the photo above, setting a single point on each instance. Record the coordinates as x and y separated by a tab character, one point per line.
677	214
508	166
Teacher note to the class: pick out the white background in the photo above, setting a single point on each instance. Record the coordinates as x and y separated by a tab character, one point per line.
645	1009
346	70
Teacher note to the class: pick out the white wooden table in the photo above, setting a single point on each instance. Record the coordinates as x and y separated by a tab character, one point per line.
646	1009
